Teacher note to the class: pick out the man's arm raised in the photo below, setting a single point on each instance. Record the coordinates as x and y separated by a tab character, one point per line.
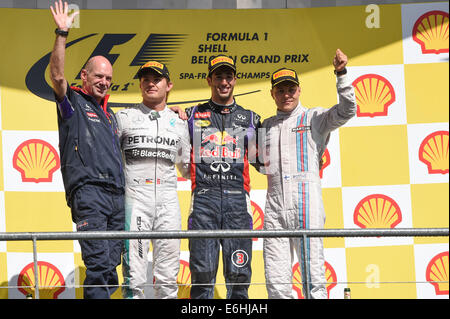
63	22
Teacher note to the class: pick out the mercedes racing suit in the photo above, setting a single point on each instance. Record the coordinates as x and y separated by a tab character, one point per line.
152	143
223	144
294	144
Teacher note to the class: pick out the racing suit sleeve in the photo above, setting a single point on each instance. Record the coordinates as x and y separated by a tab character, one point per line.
340	113
184	152
65	107
118	117
260	167
253	143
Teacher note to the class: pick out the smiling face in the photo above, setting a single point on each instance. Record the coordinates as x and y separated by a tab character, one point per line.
222	82
286	95
97	77
154	89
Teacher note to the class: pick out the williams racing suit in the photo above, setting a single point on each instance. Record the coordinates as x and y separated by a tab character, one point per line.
152	143
223	144
294	144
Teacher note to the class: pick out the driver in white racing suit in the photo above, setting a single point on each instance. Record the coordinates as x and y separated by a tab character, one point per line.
294	143
153	139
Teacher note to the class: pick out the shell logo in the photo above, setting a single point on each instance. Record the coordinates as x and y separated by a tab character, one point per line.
330	276
36	160
297	281
325	161
437	273
258	217
49	278
431	32
433	151
377	211
184	281
374	94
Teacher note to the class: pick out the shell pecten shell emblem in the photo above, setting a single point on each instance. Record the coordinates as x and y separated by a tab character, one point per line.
325	161
374	94
184	280
437	273
36	160
49	278
431	32
377	211
433	151
297	283
258	217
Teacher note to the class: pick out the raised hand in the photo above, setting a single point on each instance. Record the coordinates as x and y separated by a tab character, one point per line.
61	15
340	60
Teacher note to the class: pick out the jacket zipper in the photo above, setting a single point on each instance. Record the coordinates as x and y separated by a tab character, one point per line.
156	161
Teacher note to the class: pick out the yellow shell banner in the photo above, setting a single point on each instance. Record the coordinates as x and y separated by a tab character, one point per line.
387	167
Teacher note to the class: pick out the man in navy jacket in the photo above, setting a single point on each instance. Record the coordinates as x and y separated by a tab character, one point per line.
91	163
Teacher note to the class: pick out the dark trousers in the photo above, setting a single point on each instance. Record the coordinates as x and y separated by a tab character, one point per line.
99	208
216	209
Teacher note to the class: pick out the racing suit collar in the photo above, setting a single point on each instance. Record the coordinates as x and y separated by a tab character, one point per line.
224	109
103	104
298	109
145	109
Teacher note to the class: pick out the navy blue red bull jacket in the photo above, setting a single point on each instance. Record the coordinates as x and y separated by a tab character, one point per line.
224	143
88	143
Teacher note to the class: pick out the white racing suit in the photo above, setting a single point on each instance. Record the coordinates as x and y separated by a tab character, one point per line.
294	145
152	143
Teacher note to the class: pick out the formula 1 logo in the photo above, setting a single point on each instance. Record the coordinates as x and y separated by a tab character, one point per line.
161	47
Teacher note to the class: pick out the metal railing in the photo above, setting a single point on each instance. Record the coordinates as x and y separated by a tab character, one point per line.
196	234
